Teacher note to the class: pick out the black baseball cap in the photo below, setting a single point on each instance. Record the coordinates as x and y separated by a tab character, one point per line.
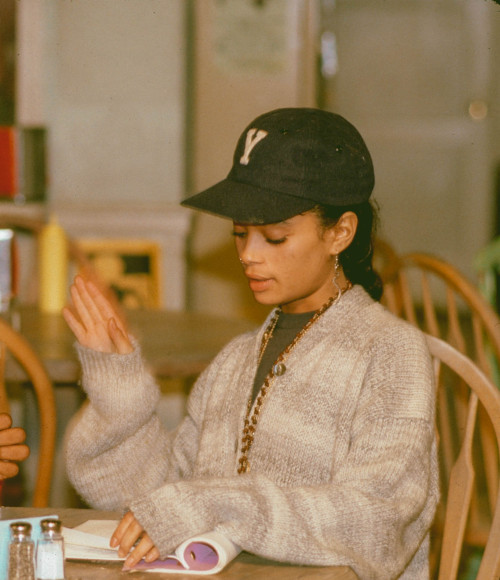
288	161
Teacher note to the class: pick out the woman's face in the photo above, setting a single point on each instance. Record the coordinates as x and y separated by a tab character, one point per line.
290	263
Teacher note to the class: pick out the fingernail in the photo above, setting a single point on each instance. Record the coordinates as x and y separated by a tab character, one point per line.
113	542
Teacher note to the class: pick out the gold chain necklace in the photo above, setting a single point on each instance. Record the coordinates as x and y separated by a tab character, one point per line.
277	369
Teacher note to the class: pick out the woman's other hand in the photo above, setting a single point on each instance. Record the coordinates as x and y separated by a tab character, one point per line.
94	321
131	539
12	447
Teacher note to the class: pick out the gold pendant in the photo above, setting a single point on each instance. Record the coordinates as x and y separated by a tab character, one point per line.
279	369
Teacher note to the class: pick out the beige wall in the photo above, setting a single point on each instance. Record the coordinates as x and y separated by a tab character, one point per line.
408	75
107	78
248	60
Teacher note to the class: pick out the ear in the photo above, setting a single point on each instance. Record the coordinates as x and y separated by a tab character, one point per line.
343	232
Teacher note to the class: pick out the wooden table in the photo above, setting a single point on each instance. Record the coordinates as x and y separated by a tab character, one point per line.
244	567
175	344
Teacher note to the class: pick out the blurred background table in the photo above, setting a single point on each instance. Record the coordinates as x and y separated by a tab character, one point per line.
175	344
244	567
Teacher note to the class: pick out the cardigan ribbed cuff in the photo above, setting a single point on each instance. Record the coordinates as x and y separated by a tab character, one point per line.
115	382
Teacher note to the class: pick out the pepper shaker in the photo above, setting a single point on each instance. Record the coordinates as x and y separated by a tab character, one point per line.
21	552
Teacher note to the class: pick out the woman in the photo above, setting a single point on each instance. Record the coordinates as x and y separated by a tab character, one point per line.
310	440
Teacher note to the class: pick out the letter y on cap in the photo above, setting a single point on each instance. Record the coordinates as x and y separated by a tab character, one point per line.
253	137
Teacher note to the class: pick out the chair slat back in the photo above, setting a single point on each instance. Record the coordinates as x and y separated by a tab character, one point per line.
451	306
4	400
18	347
432	294
430	316
453	369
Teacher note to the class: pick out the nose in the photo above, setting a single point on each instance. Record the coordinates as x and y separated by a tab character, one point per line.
249	250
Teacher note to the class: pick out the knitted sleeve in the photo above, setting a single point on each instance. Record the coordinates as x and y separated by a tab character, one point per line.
375	513
115	446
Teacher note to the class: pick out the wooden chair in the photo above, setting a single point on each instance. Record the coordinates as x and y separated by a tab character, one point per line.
477	400
434	295
14	344
385	259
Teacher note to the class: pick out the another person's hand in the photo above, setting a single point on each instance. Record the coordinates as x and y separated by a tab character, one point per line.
93	320
12	447
131	539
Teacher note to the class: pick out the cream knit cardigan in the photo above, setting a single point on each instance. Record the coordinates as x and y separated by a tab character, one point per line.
343	465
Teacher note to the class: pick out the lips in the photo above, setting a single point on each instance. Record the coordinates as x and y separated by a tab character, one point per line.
258	284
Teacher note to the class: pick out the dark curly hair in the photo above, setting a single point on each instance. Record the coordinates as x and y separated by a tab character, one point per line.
356	259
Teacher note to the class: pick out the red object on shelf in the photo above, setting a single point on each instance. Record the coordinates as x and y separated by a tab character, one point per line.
8	162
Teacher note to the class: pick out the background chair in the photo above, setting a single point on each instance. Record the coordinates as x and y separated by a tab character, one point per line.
11	342
432	294
462	458
488	267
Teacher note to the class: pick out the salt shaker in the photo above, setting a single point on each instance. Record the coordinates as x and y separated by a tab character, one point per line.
50	551
21	552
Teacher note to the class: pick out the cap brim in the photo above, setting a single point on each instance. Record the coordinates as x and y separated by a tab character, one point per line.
244	203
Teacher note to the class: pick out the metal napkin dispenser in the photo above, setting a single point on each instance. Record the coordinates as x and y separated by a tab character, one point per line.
6	268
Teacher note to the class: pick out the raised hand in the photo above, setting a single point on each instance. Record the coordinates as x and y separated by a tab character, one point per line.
94	321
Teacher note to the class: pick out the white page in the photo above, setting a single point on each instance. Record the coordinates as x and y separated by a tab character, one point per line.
90	541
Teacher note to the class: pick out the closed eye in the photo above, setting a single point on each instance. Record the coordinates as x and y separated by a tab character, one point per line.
275	241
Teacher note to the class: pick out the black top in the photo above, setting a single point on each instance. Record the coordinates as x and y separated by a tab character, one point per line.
286	329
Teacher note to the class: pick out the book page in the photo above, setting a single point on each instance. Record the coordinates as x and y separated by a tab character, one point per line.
204	554
207	553
90	541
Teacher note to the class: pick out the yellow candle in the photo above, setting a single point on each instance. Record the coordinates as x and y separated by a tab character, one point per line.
53	267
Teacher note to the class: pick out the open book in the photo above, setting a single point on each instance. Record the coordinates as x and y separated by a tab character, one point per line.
205	554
